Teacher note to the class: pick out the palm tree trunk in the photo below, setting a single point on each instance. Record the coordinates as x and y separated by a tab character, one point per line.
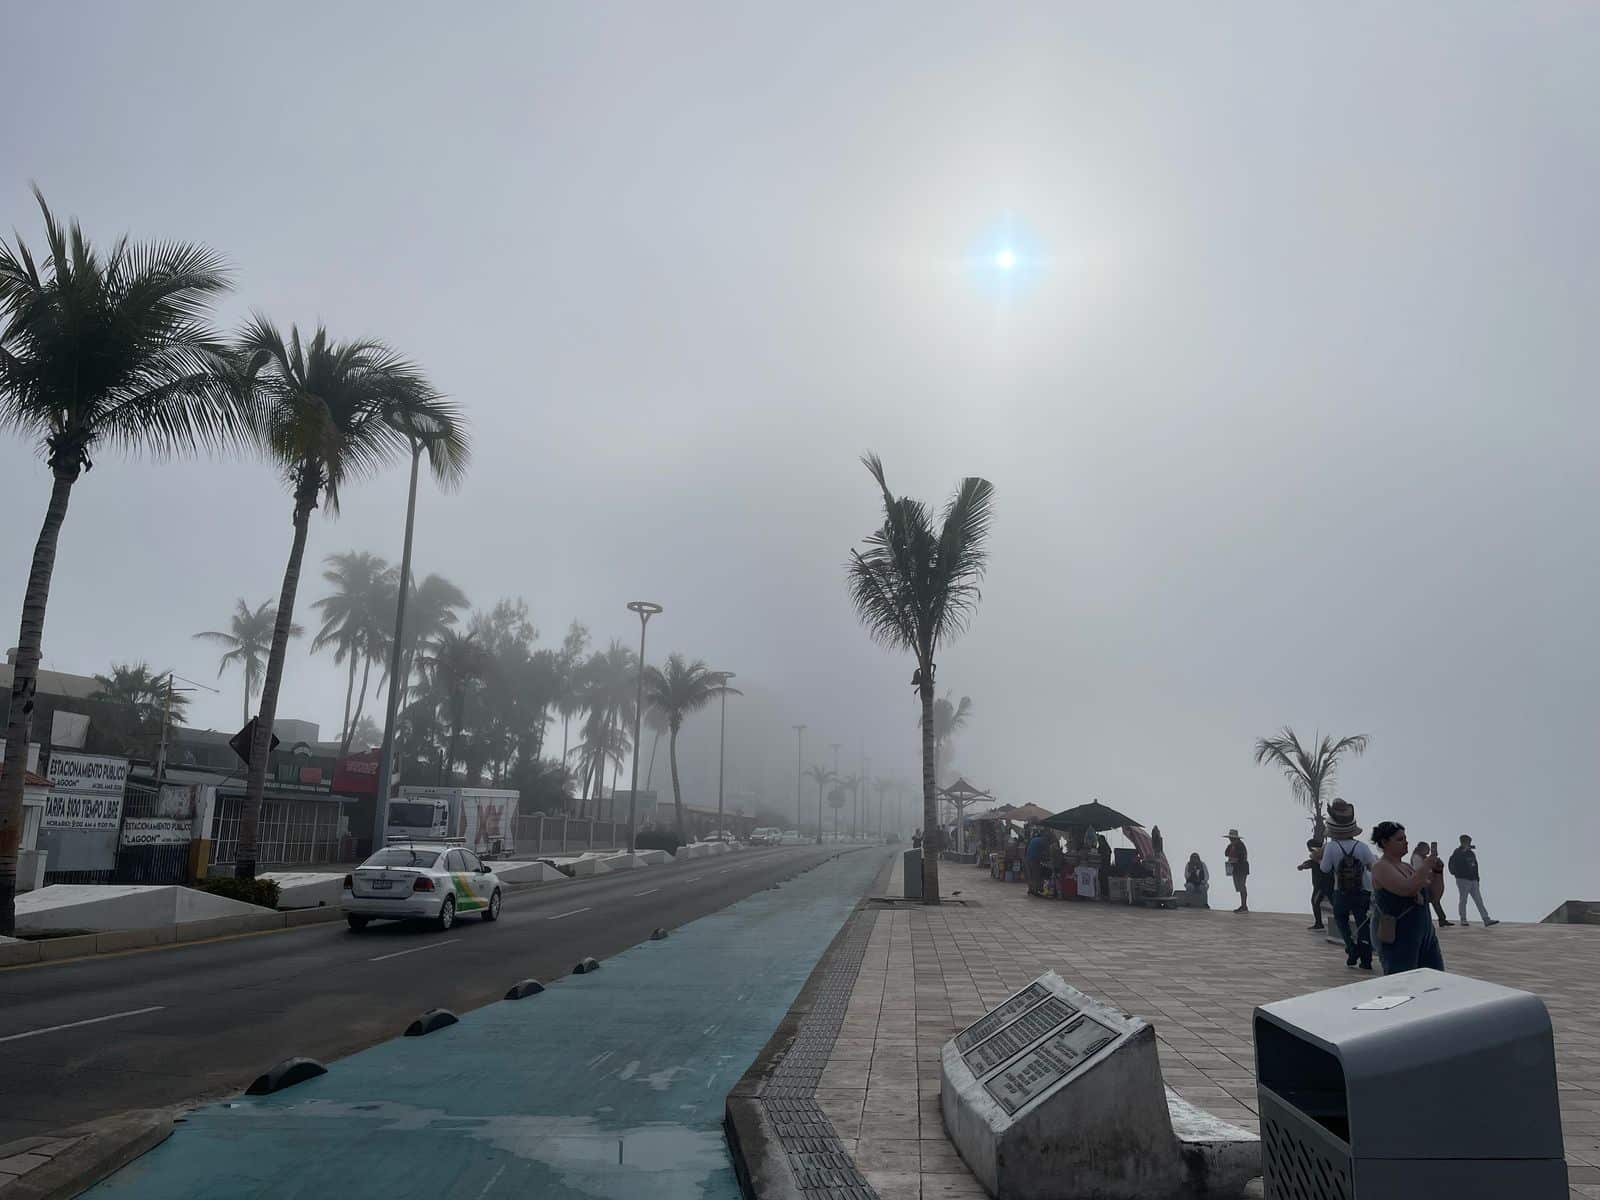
244	859
361	703
456	711
677	793
349	694
651	774
819	812
23	680
931	833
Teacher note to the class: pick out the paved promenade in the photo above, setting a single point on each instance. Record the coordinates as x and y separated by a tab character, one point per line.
1196	976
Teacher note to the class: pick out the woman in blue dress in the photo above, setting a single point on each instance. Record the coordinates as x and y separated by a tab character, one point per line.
1400	893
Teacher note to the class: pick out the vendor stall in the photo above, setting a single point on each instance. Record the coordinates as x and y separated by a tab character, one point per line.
1089	868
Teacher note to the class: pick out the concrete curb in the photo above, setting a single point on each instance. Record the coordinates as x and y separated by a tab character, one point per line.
96	1149
759	1159
15	954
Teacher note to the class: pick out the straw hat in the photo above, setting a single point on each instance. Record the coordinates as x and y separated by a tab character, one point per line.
1342	819
1232	833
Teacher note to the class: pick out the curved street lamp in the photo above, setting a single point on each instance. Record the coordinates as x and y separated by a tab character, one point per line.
646	610
722	745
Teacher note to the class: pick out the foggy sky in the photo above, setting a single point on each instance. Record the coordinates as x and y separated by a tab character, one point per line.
1291	413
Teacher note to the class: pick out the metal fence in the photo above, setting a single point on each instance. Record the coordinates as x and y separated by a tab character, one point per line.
148	864
290	831
559	835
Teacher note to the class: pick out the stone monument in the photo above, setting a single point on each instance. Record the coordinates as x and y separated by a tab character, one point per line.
1055	1096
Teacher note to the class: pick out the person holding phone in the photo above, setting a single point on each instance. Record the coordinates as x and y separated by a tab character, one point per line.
1426	858
1405	934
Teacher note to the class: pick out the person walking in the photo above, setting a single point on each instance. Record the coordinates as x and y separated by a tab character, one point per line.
1321	882
1033	863
1406	940
1197	882
1237	865
1426	857
1464	866
1348	862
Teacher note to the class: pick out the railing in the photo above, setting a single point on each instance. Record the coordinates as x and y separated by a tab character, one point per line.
567	835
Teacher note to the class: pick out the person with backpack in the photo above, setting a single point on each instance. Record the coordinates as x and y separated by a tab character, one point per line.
1349	861
1464	866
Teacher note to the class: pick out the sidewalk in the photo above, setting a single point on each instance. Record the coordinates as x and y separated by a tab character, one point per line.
1195	975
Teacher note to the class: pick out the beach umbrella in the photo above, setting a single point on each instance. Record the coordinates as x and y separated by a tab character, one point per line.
1093	815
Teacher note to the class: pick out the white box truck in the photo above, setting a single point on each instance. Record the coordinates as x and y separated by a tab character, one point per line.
483	818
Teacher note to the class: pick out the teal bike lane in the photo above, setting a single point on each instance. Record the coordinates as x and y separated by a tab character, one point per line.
607	1085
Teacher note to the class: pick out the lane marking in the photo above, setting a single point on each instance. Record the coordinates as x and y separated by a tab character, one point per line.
132	1012
414	950
573	913
692	878
650	892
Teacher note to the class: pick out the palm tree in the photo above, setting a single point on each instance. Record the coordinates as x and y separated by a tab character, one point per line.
915	587
97	348
822	777
139	701
569	680
948	719
656	722
847	784
327	413
454	665
1310	769
355	622
679	689
610	679
431	609
367	735
836	801
249	641
882	787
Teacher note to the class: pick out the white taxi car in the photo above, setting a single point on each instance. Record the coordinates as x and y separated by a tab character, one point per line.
421	881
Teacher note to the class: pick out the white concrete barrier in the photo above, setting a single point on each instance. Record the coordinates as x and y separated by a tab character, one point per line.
585	867
653	858
99	907
527	872
307	889
625	862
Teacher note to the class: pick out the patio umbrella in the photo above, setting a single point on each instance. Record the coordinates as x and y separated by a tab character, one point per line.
1093	815
1030	814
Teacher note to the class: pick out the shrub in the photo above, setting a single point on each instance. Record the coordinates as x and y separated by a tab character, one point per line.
251	891
657	839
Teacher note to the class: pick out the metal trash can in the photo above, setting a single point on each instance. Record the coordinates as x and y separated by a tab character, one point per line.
1422	1083
913	866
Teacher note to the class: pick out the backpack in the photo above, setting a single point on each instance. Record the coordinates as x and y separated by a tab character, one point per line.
1348	874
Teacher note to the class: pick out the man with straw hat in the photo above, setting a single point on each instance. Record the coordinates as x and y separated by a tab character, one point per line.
1349	860
1236	862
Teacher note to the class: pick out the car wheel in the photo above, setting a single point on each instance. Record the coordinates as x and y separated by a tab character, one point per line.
357	924
492	913
447	913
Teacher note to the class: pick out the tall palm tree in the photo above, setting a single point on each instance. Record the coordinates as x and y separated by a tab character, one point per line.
822	777
1310	769
610	681
915	587
679	689
882	787
949	718
355	622
97	348
327	413
455	664
849	785
656	722
249	641
432	609
569	682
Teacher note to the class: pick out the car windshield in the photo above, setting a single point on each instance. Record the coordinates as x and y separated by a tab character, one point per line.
402	856
405	816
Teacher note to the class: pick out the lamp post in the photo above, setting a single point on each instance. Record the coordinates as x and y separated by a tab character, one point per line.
646	610
166	719
722	745
799	756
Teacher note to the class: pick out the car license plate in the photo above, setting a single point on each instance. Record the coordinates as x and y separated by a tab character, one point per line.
382	885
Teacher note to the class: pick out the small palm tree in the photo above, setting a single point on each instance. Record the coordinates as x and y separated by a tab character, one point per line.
822	777
949	718
249	640
679	689
139	701
97	348
1310	769
915	587
327	413
355	622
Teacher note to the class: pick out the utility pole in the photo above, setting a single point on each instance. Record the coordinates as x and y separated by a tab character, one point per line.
799	757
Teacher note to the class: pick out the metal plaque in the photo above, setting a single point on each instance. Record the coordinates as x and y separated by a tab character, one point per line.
1017	1036
991	1023
1051	1061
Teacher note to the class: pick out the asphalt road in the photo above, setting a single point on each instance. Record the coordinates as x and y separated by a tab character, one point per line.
163	1026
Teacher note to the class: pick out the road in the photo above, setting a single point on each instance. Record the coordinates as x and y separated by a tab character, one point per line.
85	1039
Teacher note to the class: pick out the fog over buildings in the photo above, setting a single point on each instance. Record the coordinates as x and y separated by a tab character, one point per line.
1288	394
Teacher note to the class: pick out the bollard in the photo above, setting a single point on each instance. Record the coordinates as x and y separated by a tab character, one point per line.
524	988
434	1018
585	967
658	935
286	1074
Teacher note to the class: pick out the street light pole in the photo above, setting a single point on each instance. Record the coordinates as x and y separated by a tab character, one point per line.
646	610
722	745
799	756
166	720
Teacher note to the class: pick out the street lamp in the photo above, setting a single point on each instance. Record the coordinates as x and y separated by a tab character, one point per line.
166	719
722	744
799	756
646	610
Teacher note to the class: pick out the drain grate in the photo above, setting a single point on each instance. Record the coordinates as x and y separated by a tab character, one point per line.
821	1166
